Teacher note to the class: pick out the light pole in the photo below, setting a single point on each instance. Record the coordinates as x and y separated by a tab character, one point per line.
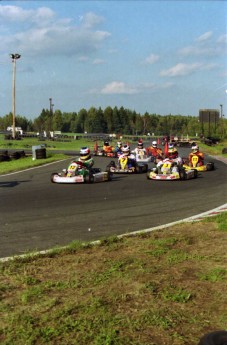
14	59
222	121
51	113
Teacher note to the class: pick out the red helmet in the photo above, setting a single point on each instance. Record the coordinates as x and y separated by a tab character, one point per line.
140	144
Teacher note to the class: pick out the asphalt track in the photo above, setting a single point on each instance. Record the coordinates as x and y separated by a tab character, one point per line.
36	214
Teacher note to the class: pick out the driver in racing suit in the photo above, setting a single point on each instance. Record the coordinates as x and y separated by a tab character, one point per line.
126	153
155	151
107	148
196	152
84	162
173	158
140	150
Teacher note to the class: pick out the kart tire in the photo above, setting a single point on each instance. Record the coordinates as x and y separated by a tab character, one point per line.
89	178
210	166
146	167
182	174
110	176
52	177
138	169
111	164
148	174
195	173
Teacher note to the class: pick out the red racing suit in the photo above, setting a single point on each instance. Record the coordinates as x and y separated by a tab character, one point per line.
200	156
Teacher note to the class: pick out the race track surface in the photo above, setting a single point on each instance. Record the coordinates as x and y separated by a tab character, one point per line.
37	214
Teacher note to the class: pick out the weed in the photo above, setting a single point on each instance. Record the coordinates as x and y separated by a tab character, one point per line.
214	275
176	295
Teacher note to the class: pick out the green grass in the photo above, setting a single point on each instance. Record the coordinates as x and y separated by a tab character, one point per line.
27	162
117	292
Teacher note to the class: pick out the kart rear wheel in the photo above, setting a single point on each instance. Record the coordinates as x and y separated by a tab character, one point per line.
210	166
138	169
195	173
89	178
182	174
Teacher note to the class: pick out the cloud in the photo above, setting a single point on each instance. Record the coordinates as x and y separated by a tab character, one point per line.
41	33
98	62
17	14
222	39
204	46
151	59
204	37
90	19
117	87
181	69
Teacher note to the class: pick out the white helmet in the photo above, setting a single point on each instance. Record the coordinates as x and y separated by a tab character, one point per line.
154	143
195	148
126	149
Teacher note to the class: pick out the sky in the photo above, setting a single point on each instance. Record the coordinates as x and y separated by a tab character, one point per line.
161	57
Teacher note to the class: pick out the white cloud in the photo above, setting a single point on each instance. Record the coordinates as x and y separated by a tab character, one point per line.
17	14
181	69
90	19
206	36
98	62
151	59
117	87
198	50
222	39
40	32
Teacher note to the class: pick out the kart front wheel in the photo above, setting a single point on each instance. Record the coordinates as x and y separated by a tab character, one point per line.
52	177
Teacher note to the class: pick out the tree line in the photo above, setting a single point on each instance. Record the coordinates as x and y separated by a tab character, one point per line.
115	120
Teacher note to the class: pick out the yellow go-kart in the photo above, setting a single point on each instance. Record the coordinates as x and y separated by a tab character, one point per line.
195	164
171	172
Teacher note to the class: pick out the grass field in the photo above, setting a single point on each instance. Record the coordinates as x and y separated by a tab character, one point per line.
160	288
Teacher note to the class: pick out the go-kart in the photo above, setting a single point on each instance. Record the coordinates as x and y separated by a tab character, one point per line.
127	166
170	172
195	164
78	173
142	157
99	151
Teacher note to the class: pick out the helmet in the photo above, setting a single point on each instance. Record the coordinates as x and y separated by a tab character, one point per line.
84	153
119	143
140	144
126	149
171	146
195	148
172	152
106	143
154	143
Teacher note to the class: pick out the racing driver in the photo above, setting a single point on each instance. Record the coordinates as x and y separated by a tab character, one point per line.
196	152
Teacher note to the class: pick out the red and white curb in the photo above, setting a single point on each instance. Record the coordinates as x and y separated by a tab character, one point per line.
192	219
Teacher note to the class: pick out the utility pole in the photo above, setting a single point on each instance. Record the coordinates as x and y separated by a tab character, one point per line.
51	113
14	59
